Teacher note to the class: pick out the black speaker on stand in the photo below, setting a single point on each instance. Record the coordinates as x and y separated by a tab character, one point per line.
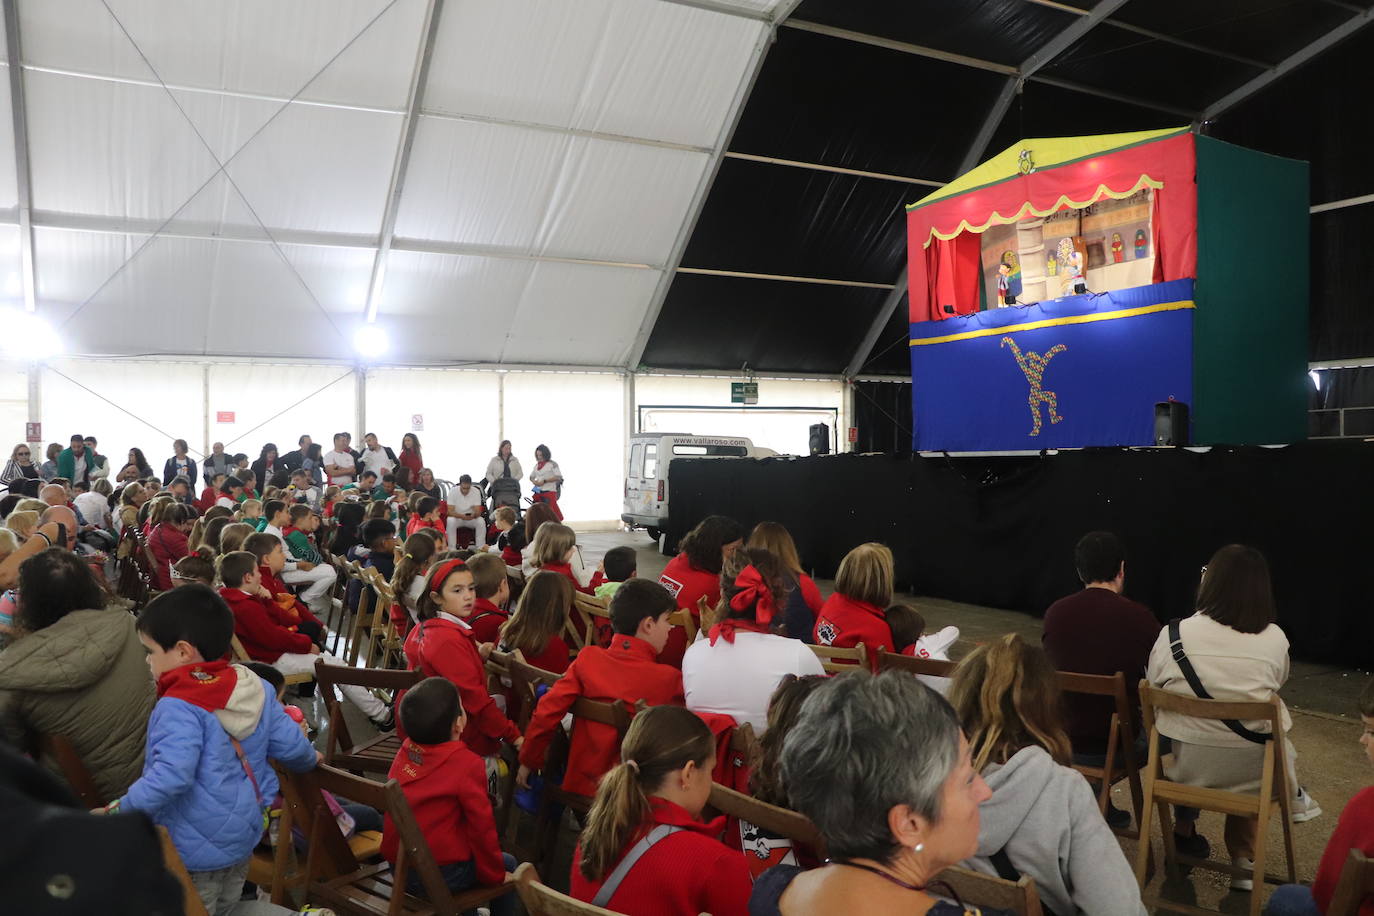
1171	423
820	439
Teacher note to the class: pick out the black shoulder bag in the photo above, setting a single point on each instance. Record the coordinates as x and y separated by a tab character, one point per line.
1190	675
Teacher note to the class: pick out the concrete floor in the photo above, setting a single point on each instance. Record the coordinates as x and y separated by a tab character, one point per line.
1322	699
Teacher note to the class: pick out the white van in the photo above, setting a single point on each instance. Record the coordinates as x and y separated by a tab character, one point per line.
646	475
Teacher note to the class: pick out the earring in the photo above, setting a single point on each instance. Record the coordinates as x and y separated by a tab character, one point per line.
919	847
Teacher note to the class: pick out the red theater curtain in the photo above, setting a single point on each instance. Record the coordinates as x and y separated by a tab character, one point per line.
953	275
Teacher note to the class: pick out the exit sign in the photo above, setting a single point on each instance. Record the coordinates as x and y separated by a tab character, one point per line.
744	392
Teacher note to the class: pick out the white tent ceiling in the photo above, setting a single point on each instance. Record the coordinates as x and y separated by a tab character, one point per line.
214	177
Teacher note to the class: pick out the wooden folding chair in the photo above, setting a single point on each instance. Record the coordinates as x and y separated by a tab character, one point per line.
372	756
590	610
617	715
1160	792
836	661
73	769
931	667
1356	885
191	903
384	647
541	900
1120	759
982	890
277	868
241	656
362	617
778	821
335	877
684	619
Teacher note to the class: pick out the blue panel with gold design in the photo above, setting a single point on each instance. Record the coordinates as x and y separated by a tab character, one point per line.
1067	373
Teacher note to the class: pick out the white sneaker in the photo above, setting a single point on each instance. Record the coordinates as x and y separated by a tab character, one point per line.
1238	883
1305	807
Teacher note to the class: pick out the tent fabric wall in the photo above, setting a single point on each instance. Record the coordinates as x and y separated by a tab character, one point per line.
1250	342
460	412
278	403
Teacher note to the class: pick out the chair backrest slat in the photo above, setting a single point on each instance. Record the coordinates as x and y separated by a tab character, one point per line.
981	890
795	826
935	667
836	660
1356	884
541	900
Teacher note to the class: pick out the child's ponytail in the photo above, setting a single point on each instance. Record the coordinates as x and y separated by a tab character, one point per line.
661	741
419	551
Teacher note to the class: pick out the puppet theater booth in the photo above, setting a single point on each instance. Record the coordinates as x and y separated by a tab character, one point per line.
1063	288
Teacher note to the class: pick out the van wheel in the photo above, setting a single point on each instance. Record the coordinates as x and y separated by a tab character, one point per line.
654	533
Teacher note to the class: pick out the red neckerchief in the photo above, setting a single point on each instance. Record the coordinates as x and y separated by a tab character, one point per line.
727	627
204	684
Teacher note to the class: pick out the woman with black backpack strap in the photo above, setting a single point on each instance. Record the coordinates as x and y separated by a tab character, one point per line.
1229	649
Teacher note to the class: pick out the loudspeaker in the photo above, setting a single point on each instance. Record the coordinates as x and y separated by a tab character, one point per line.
820	439
1171	423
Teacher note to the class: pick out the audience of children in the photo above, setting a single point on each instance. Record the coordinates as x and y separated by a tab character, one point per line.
491	610
803	597
541	614
854	613
693	576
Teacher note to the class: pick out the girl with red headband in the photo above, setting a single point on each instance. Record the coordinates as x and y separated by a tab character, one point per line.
736	668
443	645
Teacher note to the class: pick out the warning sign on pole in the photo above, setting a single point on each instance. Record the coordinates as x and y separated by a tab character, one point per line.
224	416
417	422
853	434
33	432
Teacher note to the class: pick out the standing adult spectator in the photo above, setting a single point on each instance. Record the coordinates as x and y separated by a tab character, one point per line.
1098	631
179	465
410	456
803	597
20	465
267	464
465	511
376	457
75	462
296	459
503	477
735	670
879	766
694	574
48	469
1042	820
340	464
217	462
313	465
547	479
99	465
1237	653
76	670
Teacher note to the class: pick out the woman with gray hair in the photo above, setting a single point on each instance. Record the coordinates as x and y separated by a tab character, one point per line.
881	767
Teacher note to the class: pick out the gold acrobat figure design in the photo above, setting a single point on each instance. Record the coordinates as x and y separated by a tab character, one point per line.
1033	365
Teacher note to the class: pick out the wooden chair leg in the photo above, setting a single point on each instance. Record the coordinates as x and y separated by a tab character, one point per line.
1142	853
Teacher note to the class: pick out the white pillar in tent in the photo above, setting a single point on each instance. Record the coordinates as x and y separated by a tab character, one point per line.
36	407
205	408
359	405
500	405
842	443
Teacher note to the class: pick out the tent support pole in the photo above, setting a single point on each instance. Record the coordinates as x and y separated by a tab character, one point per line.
360	401
21	153
205	408
36	404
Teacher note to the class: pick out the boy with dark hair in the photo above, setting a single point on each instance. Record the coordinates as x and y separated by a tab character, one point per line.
297	534
386	487
367	483
490	611
290	610
626	671
618	565
274	517
206	775
266	638
380	537
302	491
445	784
426	515
316	577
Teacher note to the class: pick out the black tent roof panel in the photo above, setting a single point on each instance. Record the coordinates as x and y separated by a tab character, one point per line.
795	222
841	103
1267	30
725	322
1001	31
1042	110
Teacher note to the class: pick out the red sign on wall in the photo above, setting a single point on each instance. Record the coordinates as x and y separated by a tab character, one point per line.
33	432
224	416
853	434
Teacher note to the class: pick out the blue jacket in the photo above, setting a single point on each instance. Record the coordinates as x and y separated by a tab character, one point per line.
193	783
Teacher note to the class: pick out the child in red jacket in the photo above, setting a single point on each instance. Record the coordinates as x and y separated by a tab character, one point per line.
446	787
663	780
854	613
626	671
290	610
553	550
694	574
540	616
489	611
426	515
442	645
285	648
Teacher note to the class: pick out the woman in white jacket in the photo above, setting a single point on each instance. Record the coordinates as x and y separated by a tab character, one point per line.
1238	653
1042	820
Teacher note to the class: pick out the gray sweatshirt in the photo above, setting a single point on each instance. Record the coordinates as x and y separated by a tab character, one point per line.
1045	816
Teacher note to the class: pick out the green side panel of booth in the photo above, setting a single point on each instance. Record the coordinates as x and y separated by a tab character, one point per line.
1250	327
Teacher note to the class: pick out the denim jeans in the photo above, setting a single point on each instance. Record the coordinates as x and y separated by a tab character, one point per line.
1292	900
220	890
462	876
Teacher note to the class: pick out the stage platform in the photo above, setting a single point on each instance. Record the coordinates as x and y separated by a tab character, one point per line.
999	532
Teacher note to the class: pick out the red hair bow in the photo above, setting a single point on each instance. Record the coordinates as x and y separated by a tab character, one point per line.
754	591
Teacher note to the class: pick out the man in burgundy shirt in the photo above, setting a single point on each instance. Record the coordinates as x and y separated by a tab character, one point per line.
1098	631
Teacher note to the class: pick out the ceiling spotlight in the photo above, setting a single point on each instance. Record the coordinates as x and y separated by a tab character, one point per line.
28	336
370	341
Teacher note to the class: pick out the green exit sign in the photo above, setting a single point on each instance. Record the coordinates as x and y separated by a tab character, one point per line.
744	392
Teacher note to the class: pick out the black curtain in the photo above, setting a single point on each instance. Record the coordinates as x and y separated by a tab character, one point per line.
999	532
882	415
